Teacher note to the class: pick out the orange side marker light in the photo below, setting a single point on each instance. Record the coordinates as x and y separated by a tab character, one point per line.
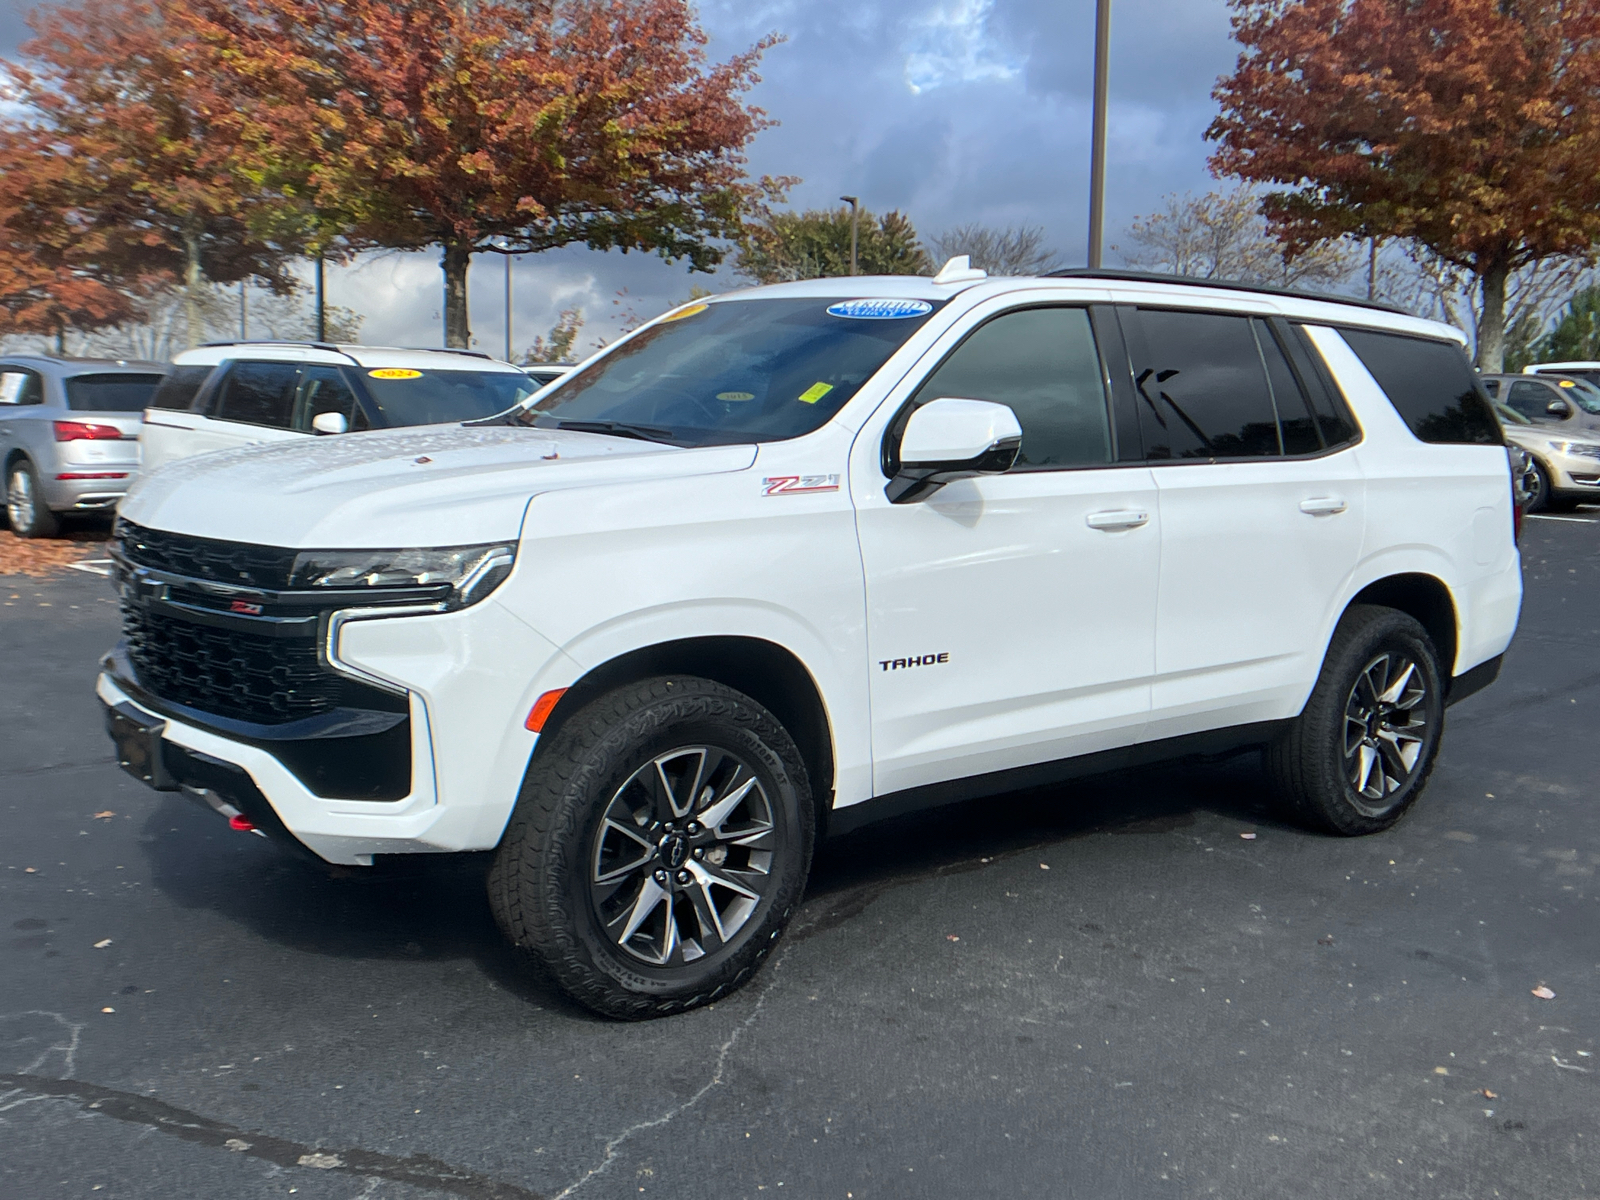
542	708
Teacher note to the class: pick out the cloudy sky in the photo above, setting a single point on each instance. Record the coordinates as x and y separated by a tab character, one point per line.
950	110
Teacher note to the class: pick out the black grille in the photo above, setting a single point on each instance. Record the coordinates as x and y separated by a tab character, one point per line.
246	676
239	563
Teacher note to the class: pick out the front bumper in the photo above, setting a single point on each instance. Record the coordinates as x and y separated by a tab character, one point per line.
1573	474
212	767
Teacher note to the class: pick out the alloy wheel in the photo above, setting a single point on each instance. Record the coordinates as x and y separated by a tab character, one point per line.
19	499
1385	730
682	856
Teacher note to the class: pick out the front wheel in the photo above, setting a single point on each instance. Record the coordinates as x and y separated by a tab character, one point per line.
1361	750
658	847
1534	486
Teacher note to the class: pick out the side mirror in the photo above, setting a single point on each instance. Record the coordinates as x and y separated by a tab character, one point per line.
949	439
330	422
1558	408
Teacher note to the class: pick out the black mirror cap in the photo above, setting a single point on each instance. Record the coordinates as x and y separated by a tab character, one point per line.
915	481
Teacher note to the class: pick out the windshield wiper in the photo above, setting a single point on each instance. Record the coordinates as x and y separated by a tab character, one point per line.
645	433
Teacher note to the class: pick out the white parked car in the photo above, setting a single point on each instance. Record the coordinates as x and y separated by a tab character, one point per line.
232	394
793	558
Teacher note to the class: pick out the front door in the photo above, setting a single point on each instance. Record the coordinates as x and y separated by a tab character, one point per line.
1011	618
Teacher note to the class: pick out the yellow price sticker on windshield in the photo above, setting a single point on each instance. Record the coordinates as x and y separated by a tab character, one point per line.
815	392
692	310
394	373
1565	383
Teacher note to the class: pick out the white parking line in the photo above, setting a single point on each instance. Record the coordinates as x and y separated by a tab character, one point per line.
1537	517
93	566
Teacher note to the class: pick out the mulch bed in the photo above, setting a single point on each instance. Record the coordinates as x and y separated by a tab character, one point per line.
48	556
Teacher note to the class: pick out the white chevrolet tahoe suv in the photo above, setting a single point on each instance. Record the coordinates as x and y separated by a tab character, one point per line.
796	557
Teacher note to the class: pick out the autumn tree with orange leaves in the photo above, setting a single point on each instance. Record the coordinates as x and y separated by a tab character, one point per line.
122	168
523	124
1468	127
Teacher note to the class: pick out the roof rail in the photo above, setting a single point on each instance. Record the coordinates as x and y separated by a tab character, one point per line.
448	350
1230	285
273	342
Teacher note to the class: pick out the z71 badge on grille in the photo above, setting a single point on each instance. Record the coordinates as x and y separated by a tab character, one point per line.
795	485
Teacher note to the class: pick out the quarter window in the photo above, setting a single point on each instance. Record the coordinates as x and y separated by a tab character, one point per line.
1042	364
182	384
259	393
1430	385
20	387
1203	390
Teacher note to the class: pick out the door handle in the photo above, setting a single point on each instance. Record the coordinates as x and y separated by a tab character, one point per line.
1323	506
1122	518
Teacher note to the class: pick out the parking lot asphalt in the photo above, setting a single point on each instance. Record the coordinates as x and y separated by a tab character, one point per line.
1099	990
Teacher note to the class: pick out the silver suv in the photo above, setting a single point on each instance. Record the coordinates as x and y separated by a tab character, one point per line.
69	435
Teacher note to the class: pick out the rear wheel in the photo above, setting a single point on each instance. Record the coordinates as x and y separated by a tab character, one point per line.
1362	749
25	506
658	847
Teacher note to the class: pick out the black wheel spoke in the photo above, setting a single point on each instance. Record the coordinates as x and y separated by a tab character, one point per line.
1385	730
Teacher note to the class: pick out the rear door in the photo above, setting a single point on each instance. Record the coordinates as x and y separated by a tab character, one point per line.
254	402
1261	516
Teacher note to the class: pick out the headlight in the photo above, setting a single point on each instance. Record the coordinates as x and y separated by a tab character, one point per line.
472	572
1585	449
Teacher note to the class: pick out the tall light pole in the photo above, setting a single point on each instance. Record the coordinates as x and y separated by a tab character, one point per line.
855	224
1097	160
508	307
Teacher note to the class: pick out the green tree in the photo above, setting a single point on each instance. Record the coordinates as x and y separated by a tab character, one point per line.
1576	335
557	347
816	243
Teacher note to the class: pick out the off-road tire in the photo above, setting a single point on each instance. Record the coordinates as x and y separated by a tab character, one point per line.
1307	764
30	518
539	883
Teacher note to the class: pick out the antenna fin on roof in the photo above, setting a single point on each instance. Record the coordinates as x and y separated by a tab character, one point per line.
960	270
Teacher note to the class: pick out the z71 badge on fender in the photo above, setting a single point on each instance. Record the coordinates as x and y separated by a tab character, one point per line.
795	485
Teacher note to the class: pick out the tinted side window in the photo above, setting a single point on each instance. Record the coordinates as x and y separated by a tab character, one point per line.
1530	399
1041	363
20	387
323	390
258	393
178	390
1203	388
1430	385
1337	426
1294	415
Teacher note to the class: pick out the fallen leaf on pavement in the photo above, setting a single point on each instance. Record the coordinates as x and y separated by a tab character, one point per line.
1044	866
102	943
1325	940
101	816
950	937
108	1010
1487	1094
1544	993
1249	837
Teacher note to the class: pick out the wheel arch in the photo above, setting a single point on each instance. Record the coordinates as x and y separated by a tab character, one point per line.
768	673
1426	598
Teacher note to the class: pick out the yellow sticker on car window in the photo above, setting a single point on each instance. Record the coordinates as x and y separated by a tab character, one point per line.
815	392
736	395
1565	383
395	373
692	310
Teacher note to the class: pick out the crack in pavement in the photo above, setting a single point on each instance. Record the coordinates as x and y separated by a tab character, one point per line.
416	1170
614	1143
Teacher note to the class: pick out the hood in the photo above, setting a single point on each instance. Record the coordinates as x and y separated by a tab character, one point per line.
439	485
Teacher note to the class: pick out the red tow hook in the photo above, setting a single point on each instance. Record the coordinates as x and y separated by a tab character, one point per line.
243	824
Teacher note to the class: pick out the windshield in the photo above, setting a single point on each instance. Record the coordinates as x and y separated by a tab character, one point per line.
119	392
407	397
1581	392
734	371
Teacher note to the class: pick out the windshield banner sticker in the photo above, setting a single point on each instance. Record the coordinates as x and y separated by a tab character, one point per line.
880	310
692	310
394	373
798	485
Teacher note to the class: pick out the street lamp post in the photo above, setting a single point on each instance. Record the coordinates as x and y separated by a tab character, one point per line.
1097	160
508	307
855	224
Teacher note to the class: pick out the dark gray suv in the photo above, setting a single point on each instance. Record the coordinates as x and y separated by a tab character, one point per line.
69	435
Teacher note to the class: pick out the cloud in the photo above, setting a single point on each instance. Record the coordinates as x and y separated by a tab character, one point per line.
951	45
